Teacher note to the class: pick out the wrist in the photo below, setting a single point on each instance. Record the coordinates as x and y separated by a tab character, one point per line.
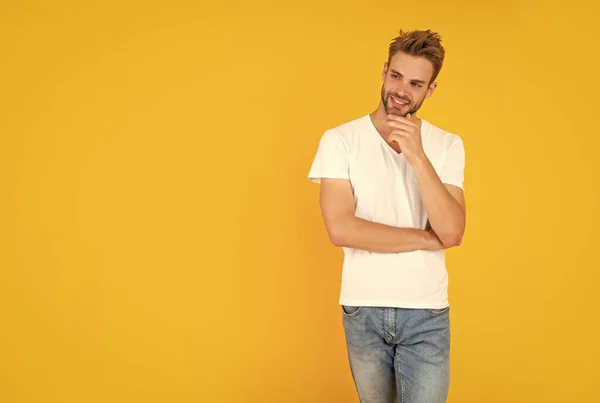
432	242
428	240
421	162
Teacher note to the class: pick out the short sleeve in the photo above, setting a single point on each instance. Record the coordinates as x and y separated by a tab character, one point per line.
454	164
331	159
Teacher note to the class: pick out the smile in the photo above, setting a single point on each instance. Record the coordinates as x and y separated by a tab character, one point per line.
399	102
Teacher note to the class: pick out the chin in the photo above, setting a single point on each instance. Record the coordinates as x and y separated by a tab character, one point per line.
398	112
393	110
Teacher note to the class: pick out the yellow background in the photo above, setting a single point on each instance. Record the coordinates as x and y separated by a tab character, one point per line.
160	241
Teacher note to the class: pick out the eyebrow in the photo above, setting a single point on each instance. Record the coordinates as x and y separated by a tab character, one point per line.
415	80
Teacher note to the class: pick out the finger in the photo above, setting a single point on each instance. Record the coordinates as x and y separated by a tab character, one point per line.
396	118
401	126
396	138
401	134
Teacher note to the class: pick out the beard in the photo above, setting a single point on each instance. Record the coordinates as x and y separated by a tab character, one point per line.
392	108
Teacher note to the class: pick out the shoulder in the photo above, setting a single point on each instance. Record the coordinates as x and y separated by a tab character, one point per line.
345	135
440	138
351	128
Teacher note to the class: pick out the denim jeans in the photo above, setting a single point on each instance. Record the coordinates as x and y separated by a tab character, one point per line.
398	355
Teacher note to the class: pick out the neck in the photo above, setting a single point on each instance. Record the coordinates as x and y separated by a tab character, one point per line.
378	117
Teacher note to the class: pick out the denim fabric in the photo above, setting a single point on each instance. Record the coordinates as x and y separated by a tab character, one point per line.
398	355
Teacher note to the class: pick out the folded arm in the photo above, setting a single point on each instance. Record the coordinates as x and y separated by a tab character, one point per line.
347	230
444	204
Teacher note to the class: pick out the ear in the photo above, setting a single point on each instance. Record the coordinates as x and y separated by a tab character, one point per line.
384	72
431	89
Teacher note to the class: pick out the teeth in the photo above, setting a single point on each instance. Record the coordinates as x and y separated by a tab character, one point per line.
399	102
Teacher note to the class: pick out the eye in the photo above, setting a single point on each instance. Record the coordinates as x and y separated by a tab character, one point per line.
395	76
417	85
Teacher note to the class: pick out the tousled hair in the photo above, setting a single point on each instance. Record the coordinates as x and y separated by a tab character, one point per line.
425	44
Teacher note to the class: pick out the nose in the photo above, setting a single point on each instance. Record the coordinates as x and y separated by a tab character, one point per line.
403	89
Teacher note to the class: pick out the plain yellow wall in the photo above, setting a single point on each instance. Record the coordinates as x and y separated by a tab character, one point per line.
160	241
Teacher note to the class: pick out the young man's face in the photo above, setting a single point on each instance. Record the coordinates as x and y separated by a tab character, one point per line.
406	84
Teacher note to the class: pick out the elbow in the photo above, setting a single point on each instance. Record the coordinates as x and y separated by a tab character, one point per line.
338	239
453	237
339	235
337	243
452	240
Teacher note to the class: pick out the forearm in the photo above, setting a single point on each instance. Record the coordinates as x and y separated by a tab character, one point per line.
358	233
445	214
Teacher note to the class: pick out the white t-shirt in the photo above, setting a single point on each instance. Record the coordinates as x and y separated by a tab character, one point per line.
386	191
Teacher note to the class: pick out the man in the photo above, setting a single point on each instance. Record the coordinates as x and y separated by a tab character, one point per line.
391	195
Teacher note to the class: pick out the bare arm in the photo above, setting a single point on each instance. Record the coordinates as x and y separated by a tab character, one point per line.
347	230
444	204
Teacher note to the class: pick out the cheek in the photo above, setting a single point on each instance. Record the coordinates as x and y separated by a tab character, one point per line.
389	91
419	94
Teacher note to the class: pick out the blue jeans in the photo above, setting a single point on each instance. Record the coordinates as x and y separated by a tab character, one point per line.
398	354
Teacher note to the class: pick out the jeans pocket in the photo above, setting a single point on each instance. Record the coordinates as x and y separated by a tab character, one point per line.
438	311
350	310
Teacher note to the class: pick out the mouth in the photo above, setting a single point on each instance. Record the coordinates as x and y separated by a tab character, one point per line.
398	102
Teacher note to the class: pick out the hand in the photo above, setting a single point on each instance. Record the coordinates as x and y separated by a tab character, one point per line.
406	132
433	242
